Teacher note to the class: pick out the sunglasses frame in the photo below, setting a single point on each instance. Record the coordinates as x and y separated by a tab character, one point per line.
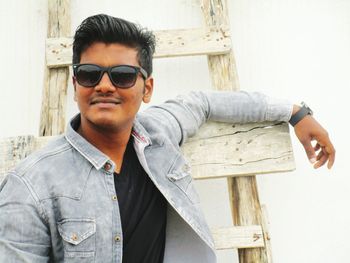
109	72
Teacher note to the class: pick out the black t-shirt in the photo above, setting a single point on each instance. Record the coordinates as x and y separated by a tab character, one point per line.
143	211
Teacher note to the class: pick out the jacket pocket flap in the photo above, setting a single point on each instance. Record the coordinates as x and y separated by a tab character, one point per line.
180	172
74	231
177	175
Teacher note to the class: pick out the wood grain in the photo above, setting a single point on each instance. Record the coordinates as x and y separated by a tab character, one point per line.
224	150
238	237
54	99
170	43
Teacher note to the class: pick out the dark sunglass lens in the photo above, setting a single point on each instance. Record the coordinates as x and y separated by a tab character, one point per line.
88	75
123	76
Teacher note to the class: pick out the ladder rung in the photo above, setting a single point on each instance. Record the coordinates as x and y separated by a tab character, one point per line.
238	237
170	43
227	150
190	42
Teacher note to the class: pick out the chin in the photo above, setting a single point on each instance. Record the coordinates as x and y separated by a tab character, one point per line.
110	124
106	123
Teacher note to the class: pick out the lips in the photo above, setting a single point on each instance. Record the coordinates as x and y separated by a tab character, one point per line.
105	101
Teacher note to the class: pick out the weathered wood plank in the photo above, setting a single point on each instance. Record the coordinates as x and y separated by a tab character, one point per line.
238	237
247	211
53	110
222	67
170	43
59	18
218	150
266	232
222	150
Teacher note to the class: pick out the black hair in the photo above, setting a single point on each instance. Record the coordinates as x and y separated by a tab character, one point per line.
109	29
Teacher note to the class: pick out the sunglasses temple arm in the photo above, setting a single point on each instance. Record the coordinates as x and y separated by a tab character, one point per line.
144	73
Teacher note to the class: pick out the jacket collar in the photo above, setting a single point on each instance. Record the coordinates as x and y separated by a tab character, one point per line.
90	152
140	133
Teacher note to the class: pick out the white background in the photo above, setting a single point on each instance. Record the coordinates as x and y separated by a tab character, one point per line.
294	49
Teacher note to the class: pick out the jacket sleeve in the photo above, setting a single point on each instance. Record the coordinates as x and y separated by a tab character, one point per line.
24	236
186	113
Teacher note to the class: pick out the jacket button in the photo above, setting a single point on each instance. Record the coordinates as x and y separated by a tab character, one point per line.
117	238
74	237
114	198
107	166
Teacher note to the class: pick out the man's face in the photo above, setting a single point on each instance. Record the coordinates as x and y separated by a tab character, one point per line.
106	106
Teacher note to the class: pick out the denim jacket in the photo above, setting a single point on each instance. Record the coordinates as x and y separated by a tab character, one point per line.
60	205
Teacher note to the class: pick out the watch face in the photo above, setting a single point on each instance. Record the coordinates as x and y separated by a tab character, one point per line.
307	107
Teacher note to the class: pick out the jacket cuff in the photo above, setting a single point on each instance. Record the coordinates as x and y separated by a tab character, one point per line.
278	110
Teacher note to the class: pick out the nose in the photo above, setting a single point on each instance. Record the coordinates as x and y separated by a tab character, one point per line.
105	85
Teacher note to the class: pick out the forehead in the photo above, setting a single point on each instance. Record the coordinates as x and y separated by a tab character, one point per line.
109	54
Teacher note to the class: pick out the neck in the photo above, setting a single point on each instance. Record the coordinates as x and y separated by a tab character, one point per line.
112	142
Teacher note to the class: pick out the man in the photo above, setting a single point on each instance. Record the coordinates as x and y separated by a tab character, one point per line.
115	187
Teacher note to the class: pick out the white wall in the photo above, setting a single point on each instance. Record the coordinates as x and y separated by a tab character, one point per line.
291	49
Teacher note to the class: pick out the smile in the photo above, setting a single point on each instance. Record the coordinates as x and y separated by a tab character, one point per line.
105	101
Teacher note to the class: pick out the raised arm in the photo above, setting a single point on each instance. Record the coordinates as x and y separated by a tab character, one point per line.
181	117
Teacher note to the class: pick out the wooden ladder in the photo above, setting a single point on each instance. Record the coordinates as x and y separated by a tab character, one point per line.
237	152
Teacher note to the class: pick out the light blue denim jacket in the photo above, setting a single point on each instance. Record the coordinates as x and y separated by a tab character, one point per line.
60	204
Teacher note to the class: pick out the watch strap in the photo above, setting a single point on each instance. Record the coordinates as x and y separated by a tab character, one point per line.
300	114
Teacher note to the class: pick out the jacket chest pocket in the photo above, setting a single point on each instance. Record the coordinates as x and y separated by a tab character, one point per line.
180	175
78	239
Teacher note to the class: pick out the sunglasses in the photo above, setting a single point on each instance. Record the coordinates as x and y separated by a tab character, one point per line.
122	76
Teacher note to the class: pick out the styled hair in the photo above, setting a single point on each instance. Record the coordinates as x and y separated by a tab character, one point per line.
109	29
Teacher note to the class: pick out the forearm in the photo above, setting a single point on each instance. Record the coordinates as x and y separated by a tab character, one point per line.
244	107
190	111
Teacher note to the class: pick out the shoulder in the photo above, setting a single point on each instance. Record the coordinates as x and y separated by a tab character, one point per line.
160	124
42	156
46	171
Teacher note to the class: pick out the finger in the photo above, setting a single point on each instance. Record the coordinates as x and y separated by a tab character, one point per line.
319	155
317	147
329	149
310	152
323	159
331	152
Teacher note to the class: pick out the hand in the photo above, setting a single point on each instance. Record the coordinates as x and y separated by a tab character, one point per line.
307	130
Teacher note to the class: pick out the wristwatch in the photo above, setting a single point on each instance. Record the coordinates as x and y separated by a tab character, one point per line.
300	114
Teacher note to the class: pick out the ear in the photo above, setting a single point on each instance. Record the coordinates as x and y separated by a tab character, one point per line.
75	88
148	90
